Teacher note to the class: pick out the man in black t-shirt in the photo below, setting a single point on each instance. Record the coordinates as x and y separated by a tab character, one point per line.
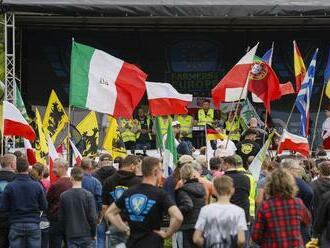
143	206
248	147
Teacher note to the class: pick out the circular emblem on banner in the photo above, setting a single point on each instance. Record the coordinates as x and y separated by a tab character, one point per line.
258	71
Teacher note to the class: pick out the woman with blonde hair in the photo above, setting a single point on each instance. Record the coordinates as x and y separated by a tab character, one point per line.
279	218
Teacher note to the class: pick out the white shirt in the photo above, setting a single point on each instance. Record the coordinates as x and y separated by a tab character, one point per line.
224	152
326	128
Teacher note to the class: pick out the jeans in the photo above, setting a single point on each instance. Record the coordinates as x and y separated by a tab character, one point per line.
27	235
83	242
56	236
45	238
116	237
100	234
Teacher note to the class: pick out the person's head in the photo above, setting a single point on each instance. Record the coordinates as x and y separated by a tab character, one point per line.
152	169
130	163
224	186
206	105
187	172
117	162
292	165
324	169
46	173
269	166
8	162
19	154
281	184
215	163
253	122
202	150
37	171
239	160
141	112
176	127
201	159
77	174
105	159
60	167
251	134
229	163
198	169
22	165
86	164
321	154
327	111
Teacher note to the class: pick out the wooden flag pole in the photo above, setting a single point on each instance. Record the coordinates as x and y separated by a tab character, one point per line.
69	136
317	116
265	128
290	115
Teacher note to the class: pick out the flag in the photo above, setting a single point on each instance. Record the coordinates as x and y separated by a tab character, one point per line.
52	155
268	56
165	100
304	96
30	154
264	83
299	66
327	77
247	112
231	86
20	104
287	89
55	117
113	142
2	91
40	143
104	83
159	136
14	123
255	166
170	156
293	142
89	131
213	134
77	155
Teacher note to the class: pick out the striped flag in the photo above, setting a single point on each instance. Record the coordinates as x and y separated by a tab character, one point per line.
77	155
304	96
327	77
299	66
268	56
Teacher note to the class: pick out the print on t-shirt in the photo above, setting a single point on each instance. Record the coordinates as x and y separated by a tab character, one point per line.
138	206
118	191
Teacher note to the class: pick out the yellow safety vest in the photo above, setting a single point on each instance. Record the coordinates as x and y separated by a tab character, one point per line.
128	134
164	125
139	127
253	191
205	119
186	124
230	128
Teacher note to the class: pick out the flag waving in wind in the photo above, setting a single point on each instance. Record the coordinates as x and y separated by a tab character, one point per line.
327	77
170	157
304	96
299	66
268	56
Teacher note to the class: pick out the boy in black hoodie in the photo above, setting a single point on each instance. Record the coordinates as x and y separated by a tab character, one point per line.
190	198
113	188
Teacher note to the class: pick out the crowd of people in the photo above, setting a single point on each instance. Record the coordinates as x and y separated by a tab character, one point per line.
126	202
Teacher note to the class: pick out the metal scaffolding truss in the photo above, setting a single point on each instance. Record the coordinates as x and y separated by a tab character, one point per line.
10	74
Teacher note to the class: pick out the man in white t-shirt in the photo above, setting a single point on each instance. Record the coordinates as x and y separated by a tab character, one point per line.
221	224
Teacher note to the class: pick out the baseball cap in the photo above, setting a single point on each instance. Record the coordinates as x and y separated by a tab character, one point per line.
184	159
105	157
175	123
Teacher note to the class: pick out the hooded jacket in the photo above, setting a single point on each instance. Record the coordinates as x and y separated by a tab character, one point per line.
6	177
190	199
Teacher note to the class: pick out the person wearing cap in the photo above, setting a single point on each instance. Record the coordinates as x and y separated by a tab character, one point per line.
105	166
326	129
248	147
186	122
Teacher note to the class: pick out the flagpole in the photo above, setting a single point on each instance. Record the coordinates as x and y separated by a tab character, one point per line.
2	131
290	115
68	142
317	117
265	128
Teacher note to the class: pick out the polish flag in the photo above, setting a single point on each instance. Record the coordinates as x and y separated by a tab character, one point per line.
294	142
165	100
52	155
14	123
231	86
31	157
77	155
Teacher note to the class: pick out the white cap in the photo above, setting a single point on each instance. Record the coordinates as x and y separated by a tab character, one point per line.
175	123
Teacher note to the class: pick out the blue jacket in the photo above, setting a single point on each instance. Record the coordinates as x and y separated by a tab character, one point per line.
94	186
24	199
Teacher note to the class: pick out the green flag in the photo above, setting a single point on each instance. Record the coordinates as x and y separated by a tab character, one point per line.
20	105
159	137
170	157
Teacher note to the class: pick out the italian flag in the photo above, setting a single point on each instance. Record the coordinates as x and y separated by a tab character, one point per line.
170	156
104	83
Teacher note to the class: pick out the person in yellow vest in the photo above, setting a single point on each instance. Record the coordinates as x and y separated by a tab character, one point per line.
164	121
186	122
233	128
128	129
205	115
144	130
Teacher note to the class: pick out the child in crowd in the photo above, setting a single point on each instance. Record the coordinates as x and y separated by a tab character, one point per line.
221	224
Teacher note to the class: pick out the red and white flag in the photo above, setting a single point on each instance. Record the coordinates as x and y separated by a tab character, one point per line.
165	100
231	86
294	142
77	155
14	123
52	155
30	154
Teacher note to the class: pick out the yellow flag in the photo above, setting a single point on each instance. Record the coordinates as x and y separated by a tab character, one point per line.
40	142
55	117
113	142
89	131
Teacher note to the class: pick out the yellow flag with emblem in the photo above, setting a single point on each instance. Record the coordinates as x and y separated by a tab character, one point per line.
89	130
55	117
40	142
113	142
